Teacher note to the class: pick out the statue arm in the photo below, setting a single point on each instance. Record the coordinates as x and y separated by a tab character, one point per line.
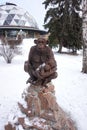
51	57
28	63
48	73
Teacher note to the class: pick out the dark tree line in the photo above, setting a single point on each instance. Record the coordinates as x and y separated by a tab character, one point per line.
64	23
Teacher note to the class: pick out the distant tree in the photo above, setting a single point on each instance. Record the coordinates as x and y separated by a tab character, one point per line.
84	14
64	23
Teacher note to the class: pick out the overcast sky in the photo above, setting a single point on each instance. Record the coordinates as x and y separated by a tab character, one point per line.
34	7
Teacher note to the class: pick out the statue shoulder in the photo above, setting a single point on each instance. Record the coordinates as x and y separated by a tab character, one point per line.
33	48
48	48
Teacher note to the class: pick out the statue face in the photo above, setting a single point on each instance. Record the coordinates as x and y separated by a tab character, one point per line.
41	45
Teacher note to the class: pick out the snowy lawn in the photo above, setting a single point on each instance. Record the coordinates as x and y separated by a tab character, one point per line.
70	86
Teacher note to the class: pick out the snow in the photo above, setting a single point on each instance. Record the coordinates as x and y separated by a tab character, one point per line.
70	86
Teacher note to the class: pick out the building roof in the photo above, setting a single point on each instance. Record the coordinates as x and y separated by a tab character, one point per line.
14	17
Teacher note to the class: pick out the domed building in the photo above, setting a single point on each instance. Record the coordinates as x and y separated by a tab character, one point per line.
13	19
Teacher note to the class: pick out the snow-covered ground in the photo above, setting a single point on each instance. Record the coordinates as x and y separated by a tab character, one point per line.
70	86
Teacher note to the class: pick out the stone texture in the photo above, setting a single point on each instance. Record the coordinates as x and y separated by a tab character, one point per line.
43	111
9	127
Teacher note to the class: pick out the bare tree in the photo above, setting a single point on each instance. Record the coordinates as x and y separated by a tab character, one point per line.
84	15
9	48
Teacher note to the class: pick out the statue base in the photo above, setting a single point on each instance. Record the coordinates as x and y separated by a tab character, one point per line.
42	111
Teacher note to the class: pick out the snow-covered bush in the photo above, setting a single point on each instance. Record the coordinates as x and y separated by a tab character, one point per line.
9	52
10	47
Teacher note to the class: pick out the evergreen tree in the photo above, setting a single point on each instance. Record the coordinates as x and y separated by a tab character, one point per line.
64	23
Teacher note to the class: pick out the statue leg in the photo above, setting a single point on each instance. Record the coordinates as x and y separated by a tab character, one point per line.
32	76
49	78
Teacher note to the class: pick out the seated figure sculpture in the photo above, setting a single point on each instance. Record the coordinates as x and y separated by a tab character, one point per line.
41	64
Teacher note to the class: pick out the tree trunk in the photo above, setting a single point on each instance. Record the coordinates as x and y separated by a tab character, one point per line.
84	65
60	46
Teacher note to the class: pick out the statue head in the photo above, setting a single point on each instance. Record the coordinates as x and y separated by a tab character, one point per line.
41	43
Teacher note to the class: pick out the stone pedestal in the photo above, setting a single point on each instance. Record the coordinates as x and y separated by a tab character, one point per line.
42	111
